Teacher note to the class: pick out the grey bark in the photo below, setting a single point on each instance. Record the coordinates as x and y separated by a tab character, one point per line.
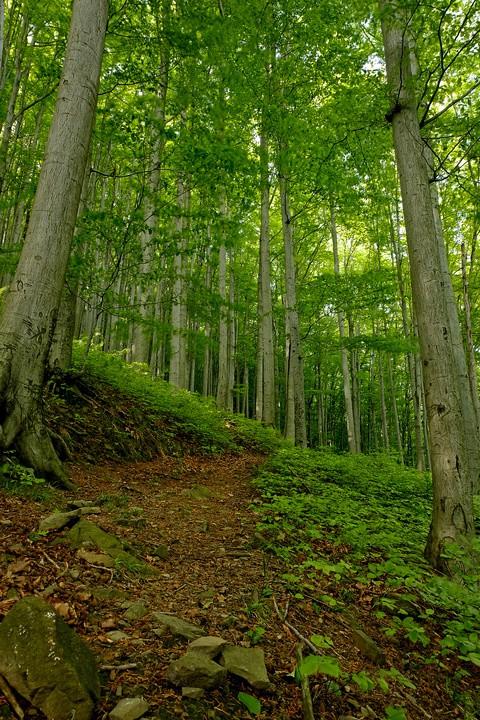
178	346
347	385
266	361
296	383
453	450
31	306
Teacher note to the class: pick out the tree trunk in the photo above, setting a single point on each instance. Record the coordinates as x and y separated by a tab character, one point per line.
295	357
266	374
222	385
472	368
452	448
145	297
347	385
178	349
411	359
31	306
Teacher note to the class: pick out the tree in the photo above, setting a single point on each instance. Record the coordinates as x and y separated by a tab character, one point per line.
450	414
31	306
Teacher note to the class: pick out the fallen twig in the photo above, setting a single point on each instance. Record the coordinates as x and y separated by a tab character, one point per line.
11	699
305	687
125	666
294	630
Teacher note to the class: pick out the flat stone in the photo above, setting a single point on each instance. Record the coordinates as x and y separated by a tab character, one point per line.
129	709
247	663
136	611
195	670
193	693
209	646
179	627
46	663
58	520
86	533
76	504
96	558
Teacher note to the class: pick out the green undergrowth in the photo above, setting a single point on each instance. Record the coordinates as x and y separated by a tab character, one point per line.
355	526
187	415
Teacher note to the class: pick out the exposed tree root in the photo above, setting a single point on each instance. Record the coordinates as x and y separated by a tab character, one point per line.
36	450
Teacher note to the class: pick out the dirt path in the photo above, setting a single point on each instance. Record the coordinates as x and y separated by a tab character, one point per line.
196	512
193	519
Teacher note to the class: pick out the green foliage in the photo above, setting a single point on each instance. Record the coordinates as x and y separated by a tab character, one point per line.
319	665
362	520
20	480
256	634
253	705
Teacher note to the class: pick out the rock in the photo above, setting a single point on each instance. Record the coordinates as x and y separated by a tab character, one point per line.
247	663
76	504
179	627
193	693
117	636
136	611
86	533
58	520
195	670
209	646
161	551
129	709
367	646
199	492
46	663
96	558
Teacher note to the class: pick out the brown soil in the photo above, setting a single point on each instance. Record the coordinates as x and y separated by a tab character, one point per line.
201	510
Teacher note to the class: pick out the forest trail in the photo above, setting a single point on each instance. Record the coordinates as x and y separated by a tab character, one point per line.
196	512
193	519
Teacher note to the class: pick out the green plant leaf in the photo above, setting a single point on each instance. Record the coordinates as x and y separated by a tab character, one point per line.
319	665
253	705
395	713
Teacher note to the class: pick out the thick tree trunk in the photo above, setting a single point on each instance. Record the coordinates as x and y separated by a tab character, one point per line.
472	367
453	450
31	306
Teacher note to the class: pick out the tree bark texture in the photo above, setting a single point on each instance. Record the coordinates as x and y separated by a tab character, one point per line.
347	383
452	449
31	306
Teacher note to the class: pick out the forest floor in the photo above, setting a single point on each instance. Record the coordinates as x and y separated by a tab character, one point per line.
200	508
194	519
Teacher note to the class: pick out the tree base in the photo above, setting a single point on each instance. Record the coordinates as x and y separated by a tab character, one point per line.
36	450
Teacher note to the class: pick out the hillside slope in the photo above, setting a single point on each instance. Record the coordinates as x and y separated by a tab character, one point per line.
320	548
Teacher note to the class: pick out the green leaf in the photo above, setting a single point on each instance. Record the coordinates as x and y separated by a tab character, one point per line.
253	705
364	681
321	641
319	665
395	713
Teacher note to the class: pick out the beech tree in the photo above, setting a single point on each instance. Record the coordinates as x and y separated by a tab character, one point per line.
32	302
453	444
